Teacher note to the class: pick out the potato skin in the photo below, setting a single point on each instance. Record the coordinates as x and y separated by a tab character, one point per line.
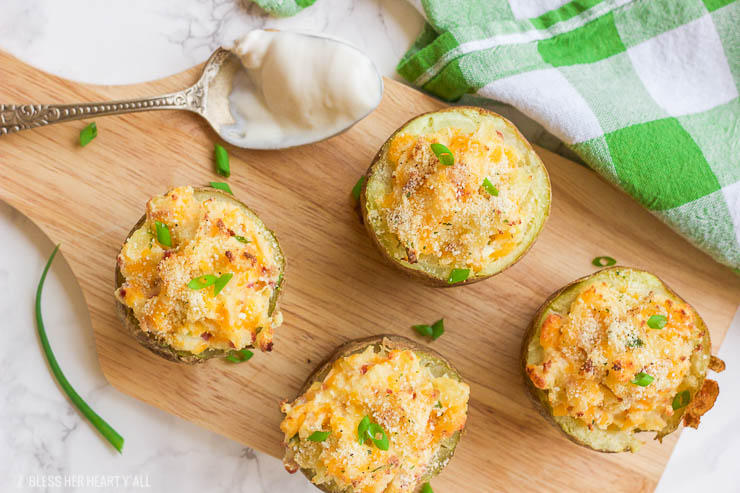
424	277
391	342
539	396
126	314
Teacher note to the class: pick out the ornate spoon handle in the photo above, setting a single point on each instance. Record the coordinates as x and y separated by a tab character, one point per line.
17	117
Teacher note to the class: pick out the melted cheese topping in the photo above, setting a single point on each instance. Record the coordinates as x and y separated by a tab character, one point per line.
594	352
417	410
204	241
444	213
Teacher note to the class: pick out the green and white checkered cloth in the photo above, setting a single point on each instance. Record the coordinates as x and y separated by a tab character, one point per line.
644	91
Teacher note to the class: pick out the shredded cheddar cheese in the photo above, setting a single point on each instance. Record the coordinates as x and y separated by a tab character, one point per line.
417	410
204	241
443	213
593	353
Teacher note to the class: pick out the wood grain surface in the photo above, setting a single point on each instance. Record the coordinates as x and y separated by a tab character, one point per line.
338	288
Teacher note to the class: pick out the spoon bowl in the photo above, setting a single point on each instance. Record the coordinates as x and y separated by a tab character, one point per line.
209	97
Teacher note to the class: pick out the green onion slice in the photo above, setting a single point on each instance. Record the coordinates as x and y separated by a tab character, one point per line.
241	238
240	356
221	282
357	189
488	186
374	429
424	330
219	185
426	488
319	436
222	160
603	261
657	321
443	154
458	275
438	328
681	400
362	429
99	423
643	379
202	281
634	341
88	133
163	234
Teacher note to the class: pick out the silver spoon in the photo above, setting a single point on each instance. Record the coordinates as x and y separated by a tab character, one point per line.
209	97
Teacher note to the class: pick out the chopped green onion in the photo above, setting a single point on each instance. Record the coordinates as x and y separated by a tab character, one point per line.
362	429
681	400
319	436
438	328
443	154
88	134
163	234
202	281
643	379
367	429
374	430
432	331
219	185
458	275
99	423
357	189
657	321
424	330
488	186
634	341
222	161
221	282
603	261
240	356
241	238
426	488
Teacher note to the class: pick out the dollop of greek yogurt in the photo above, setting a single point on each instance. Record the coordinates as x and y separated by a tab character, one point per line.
298	88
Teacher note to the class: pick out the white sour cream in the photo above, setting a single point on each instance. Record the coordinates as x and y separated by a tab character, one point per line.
298	88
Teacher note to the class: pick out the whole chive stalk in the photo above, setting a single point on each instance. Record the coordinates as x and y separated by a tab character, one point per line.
99	423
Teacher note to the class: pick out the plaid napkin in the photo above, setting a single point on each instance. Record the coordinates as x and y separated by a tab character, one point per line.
644	91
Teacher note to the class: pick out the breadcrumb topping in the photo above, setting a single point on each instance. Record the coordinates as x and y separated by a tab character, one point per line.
417	410
444	213
595	352
209	237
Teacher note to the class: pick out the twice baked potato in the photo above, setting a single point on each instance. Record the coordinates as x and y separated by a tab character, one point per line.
455	196
617	353
199	277
383	414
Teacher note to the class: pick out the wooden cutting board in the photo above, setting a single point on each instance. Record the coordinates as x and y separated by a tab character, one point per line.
337	286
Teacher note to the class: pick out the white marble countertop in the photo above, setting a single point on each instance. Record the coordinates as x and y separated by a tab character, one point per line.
44	443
